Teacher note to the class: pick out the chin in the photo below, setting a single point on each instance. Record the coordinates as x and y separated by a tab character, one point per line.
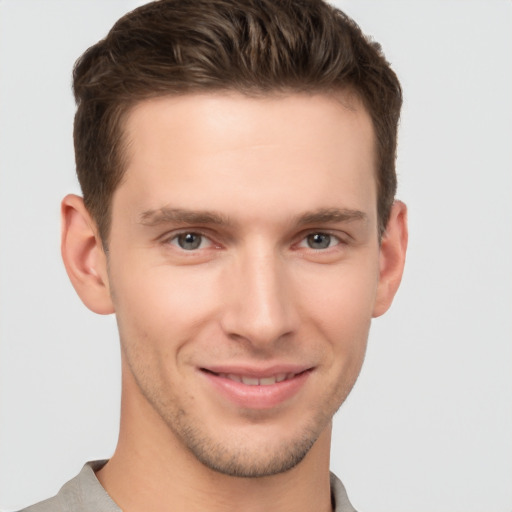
251	450
247	460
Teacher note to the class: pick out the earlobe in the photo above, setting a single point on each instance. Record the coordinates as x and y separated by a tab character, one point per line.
84	257
392	258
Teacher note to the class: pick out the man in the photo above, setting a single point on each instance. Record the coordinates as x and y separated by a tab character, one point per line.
236	160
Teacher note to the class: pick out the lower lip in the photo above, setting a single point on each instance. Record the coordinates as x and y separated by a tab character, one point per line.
258	397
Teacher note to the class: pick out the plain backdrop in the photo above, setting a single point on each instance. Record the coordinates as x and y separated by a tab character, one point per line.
428	426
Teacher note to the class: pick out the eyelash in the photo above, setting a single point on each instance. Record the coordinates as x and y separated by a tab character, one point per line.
331	237
174	240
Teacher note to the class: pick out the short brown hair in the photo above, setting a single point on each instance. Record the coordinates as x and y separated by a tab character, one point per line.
171	47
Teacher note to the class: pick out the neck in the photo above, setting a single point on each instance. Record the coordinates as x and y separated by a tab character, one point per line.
152	470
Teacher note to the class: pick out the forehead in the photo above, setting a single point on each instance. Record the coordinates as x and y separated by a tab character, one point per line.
204	147
230	117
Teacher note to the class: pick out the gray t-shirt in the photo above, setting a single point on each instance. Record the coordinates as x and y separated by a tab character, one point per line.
84	493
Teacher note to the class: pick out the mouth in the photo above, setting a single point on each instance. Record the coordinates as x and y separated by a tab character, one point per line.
253	389
251	380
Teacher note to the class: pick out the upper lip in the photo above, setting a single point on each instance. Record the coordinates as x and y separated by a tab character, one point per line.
257	372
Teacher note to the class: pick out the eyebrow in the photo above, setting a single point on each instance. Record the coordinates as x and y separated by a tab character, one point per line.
331	215
183	216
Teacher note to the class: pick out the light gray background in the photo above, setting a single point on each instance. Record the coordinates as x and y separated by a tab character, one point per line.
429	424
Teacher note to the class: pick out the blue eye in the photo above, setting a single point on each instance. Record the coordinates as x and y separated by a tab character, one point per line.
320	240
189	241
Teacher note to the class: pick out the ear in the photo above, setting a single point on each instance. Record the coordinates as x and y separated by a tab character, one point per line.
84	257
392	258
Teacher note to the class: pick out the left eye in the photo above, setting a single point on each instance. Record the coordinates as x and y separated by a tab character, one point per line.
320	241
190	241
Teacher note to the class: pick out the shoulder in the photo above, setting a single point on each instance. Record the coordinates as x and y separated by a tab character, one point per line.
83	493
339	496
49	505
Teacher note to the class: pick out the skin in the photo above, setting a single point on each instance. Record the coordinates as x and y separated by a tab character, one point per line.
279	193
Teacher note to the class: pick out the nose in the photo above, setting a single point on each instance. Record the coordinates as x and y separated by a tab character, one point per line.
259	305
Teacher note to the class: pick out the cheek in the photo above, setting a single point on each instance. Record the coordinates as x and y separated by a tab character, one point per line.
343	293
162	303
342	309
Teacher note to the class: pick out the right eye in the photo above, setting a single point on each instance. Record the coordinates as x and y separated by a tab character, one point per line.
190	241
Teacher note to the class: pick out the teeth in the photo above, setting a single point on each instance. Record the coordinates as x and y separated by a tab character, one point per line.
254	381
250	381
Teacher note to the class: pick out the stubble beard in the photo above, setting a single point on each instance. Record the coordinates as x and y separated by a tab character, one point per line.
244	459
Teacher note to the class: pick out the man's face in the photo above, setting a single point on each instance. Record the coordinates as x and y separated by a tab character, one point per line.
243	267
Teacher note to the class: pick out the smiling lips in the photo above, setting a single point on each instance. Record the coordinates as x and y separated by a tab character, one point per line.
255	381
257	390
